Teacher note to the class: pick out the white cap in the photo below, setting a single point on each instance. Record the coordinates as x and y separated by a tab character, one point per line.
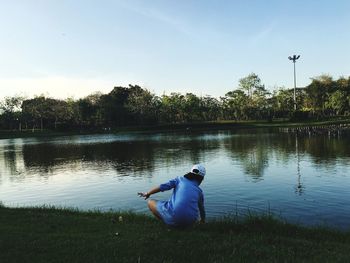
198	169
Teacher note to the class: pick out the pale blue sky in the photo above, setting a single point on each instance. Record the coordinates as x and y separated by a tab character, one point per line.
75	47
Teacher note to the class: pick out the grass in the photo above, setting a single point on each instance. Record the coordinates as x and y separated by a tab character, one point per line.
64	235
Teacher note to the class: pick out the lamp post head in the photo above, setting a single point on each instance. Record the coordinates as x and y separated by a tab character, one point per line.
294	58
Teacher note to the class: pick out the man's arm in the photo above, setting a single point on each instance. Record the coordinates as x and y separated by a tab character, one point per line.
163	187
149	193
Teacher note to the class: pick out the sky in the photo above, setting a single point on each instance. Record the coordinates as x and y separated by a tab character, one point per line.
72	48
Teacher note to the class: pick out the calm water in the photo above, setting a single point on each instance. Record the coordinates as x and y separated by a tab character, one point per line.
304	179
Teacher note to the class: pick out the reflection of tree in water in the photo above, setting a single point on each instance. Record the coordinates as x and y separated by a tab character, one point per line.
43	159
194	149
124	157
13	161
254	150
140	157
129	158
251	151
323	149
255	163
10	158
328	150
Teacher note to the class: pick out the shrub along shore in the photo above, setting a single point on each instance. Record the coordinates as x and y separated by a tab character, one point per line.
65	235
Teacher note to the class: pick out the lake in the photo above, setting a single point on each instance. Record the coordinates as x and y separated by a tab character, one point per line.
302	178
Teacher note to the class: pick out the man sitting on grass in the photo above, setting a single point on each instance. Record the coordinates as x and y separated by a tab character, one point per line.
186	203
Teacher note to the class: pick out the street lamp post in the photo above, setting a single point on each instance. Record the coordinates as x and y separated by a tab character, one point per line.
294	59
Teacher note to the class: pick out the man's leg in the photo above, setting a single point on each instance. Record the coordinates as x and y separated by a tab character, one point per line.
152	205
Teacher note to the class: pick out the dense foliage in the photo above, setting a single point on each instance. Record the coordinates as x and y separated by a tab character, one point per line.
133	105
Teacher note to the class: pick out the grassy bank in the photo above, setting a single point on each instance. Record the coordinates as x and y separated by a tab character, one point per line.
56	235
4	134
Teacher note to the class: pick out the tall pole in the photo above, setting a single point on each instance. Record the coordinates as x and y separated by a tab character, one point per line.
294	59
295	87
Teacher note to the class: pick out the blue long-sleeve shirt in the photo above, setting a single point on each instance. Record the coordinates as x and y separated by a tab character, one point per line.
185	204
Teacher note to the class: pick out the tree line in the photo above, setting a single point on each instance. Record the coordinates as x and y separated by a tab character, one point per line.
133	105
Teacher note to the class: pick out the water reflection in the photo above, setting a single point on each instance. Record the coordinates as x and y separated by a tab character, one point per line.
292	172
300	188
135	157
126	157
252	153
12	161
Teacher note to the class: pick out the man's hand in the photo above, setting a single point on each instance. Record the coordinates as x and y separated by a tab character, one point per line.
144	195
151	192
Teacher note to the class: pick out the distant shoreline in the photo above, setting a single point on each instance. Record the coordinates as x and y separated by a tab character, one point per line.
196	126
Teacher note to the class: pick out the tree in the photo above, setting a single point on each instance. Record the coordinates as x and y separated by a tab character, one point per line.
317	93
10	109
260	101
343	84
143	105
337	102
59	111
39	109
89	110
211	108
235	104
172	108
73	114
113	107
192	108
282	102
250	84
256	93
